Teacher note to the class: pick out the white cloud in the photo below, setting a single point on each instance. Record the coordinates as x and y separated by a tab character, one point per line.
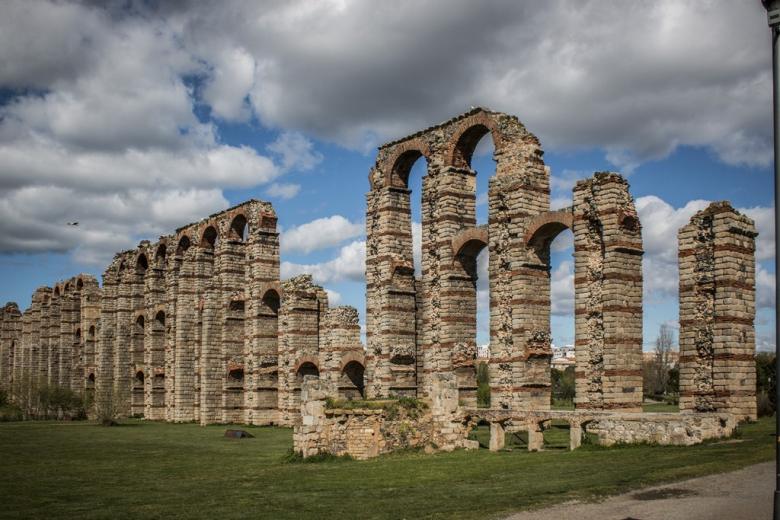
319	234
562	289
284	191
348	265
577	77
765	224
765	288
334	297
229	84
296	151
417	247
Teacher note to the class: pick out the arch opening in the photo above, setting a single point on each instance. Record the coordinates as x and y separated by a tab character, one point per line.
239	229
210	237
307	369
159	256
236	376
558	253
184	245
159	318
79	284
141	264
272	301
353	384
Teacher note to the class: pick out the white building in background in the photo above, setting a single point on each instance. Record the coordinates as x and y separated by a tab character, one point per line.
483	352
562	357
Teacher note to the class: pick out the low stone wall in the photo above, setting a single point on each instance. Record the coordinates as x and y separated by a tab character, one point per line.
676	429
365	433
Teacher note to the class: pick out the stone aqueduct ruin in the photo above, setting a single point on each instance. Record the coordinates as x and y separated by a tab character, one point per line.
198	326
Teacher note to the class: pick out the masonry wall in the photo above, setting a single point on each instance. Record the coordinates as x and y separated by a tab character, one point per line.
717	312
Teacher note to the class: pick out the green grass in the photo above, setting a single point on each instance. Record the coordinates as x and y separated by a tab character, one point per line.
156	470
660	407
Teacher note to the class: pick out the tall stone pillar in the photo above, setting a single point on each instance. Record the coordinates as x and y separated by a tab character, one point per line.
717	312
186	336
262	326
391	291
608	295
299	341
107	339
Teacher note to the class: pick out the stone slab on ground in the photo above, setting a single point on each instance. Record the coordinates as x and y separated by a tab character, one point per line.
740	495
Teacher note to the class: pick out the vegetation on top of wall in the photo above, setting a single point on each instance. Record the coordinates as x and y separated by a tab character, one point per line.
394	403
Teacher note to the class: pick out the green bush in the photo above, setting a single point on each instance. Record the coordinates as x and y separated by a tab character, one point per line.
9	412
3	397
563	384
483	386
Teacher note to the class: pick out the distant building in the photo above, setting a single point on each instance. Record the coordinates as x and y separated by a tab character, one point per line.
483	352
563	357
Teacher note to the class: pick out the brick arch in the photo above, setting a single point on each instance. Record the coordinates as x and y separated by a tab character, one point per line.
399	162
306	359
468	132
509	137
349	357
546	226
470	241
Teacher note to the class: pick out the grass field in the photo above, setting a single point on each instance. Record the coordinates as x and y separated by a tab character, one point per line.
157	470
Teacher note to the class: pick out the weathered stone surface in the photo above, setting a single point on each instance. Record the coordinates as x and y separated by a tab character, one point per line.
194	327
717	311
198	326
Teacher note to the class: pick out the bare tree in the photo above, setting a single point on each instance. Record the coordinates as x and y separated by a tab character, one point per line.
663	361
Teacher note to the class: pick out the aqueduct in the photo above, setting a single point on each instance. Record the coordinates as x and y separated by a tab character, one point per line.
199	326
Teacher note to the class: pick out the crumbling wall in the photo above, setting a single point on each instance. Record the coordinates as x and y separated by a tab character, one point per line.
717	311
434	424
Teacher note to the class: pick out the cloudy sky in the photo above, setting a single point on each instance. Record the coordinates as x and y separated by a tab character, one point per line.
134	119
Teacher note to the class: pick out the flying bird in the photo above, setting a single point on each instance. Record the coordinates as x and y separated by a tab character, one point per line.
73	223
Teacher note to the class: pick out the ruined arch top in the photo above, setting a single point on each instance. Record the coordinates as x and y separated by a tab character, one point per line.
452	143
546	226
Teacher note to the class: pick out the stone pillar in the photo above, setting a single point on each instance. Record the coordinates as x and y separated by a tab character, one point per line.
10	335
519	288
49	352
104	375
299	341
342	345
186	346
449	325
262	274
575	435
717	312
90	330
154	337
497	436
535	437
390	293
608	295
123	370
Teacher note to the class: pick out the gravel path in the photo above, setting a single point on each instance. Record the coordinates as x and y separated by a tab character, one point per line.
744	494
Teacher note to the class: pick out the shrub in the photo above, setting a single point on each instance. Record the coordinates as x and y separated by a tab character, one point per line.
764	405
483	386
3	397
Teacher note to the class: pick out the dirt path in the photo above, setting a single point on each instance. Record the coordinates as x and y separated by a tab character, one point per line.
744	494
